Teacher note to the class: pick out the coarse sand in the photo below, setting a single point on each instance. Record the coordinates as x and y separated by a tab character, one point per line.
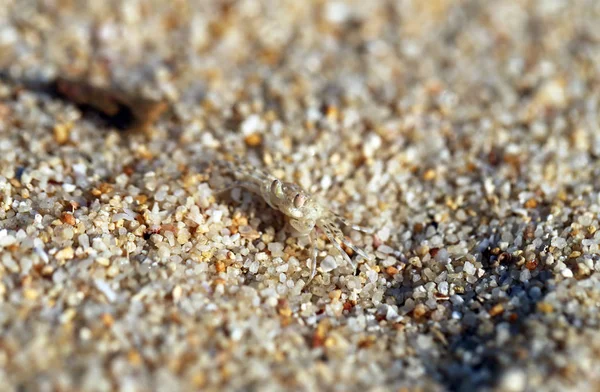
465	133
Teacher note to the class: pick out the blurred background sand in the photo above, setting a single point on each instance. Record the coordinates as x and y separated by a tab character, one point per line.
464	132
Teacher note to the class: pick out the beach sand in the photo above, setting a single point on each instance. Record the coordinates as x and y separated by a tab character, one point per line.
464	133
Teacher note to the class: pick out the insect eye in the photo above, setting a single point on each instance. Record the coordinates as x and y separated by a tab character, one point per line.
277	188
299	200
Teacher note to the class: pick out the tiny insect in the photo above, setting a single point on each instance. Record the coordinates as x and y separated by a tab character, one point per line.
304	213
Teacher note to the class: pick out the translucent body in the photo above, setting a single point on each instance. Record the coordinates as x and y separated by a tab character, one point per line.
304	213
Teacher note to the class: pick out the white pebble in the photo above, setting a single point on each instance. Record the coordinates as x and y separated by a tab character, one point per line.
326	182
559	242
391	313
372	276
217	215
336	12
469	268
8	35
442	256
42	253
371	145
195	215
457	299
276	249
108	292
443	288
567	273
252	124
254	267
385	249
384	234
80	168
6	239
69	187
328	264
525	275
514	380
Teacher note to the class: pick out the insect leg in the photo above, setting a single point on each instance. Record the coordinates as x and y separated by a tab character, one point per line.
356	249
363	229
335	243
313	244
